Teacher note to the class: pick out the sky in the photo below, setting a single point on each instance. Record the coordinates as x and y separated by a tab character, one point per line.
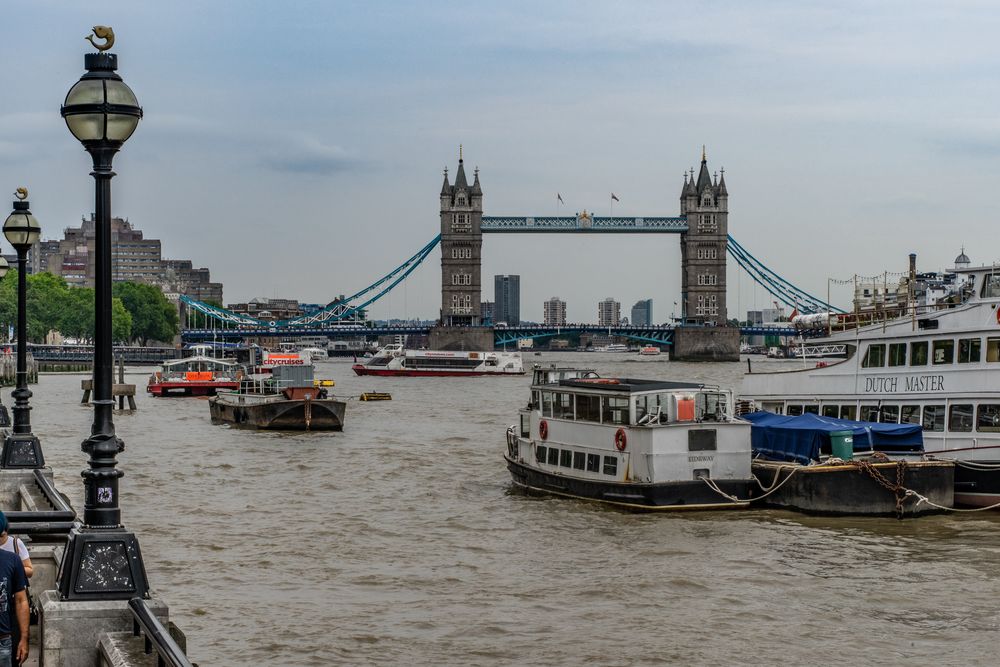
296	148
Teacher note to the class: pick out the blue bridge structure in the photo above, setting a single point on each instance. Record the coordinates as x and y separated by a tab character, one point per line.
705	247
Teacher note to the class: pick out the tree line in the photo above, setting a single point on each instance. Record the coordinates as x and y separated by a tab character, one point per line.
140	313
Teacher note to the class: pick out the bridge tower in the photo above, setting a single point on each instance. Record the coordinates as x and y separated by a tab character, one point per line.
705	203
461	249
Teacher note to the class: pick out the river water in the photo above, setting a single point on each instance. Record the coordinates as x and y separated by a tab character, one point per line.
400	541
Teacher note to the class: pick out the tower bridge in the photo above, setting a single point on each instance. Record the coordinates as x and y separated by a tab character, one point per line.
702	226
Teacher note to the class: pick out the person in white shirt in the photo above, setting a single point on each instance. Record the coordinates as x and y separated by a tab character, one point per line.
14	545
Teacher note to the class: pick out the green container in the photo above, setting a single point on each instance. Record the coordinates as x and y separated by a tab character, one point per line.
842	444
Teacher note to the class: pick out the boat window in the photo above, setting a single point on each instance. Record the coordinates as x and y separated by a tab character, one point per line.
553	456
710	406
933	418
889	414
897	354
566	458
588	408
578	460
547	403
968	350
988	418
615	410
991	286
562	406
918	353
536	400
593	463
811	409
909	414
874	356
525	425
610	466
960	418
793	410
650	404
944	352
993	349
848	411
701	441
831	410
540	451
869	413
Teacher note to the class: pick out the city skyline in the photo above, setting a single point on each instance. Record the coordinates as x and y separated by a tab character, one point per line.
249	154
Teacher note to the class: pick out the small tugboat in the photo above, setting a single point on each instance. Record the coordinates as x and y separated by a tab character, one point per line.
284	400
395	360
823	465
635	444
195	376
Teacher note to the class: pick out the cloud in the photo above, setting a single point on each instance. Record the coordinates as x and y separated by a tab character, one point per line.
310	156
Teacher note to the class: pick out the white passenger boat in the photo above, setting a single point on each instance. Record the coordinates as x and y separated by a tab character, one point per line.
613	347
637	444
315	353
940	369
649	350
395	360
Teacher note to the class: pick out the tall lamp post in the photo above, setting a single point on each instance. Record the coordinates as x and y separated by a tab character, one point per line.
21	448
102	558
4	415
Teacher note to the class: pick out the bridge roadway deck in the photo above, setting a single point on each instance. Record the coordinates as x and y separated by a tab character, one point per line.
657	334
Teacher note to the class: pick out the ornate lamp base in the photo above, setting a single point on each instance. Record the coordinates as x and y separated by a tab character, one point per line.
22	450
102	564
4	416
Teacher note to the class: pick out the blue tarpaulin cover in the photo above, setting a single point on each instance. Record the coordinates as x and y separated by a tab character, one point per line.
799	438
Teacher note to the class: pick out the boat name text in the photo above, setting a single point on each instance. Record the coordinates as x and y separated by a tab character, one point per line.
698	459
911	383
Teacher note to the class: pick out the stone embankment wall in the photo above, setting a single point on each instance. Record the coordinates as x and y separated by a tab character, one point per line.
8	369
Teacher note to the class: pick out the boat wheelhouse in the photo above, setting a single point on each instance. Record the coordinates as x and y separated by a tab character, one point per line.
194	376
395	360
636	444
939	369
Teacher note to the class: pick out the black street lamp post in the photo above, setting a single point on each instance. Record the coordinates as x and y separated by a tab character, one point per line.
4	415
21	448
102	559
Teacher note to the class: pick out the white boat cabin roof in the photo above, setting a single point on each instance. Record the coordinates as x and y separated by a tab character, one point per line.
626	385
208	361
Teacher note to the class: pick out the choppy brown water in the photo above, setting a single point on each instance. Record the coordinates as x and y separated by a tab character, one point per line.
399	541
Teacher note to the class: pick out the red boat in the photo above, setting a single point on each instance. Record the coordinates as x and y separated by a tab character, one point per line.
195	376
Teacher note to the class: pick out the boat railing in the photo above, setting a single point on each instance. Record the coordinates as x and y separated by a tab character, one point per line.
156	637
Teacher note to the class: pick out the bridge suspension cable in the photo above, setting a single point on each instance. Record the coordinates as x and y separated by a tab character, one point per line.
338	310
777	286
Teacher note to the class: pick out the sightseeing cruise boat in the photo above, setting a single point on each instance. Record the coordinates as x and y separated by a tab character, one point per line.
395	360
649	350
939	369
635	444
194	376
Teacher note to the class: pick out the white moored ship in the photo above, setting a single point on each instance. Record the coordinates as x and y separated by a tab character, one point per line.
395	360
639	444
940	369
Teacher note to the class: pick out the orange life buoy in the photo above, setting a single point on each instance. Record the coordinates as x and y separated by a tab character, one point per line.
543	430
620	440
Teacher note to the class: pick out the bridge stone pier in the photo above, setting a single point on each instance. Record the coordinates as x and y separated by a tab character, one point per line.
703	227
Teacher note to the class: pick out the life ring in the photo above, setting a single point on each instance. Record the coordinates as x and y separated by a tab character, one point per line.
543	430
620	440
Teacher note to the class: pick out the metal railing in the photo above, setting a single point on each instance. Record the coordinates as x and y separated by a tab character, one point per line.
156	637
60	519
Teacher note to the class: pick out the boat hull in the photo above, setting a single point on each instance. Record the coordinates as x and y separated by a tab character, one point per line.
190	388
663	496
852	490
283	415
977	484
360	369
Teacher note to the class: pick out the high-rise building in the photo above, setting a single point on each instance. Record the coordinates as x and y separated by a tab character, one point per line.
486	312
609	313
133	258
703	247
554	312
507	297
642	313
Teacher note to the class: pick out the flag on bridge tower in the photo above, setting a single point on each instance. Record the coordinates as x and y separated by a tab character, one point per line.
559	197
615	197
